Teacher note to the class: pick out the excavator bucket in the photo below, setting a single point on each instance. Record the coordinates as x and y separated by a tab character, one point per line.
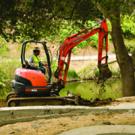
104	72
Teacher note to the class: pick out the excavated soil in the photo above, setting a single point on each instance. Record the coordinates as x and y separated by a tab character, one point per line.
53	126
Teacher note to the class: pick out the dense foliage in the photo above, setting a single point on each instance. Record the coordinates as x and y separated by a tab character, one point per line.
24	19
38	17
3	46
128	26
56	19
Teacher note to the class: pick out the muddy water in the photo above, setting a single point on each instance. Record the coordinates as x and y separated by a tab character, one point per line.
91	89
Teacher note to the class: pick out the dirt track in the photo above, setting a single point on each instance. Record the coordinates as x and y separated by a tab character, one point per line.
53	126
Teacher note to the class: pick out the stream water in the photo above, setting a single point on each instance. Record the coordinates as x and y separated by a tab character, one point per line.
91	89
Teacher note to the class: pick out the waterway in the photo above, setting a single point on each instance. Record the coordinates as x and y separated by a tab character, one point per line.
91	89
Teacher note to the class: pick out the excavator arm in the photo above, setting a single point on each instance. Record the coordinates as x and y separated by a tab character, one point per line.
72	41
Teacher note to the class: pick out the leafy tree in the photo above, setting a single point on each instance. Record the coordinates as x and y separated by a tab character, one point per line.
112	10
128	26
39	17
44	16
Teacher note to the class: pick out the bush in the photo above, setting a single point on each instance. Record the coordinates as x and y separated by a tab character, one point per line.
128	26
7	69
4	83
88	72
115	69
72	75
91	71
3	78
3	46
130	44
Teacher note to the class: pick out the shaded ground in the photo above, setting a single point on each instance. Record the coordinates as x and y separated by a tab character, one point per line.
55	126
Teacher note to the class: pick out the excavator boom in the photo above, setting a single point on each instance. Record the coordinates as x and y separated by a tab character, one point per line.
74	40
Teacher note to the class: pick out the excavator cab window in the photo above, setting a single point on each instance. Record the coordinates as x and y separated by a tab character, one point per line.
43	59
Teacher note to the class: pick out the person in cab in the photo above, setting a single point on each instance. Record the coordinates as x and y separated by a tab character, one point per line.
35	61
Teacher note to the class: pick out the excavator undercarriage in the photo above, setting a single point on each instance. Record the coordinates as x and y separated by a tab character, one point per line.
53	100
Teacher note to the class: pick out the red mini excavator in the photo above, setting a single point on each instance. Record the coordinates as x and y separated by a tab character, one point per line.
31	86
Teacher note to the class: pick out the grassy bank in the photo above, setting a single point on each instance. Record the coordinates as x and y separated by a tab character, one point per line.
87	90
7	69
91	90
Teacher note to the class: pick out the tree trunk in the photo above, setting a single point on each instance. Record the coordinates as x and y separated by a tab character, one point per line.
124	60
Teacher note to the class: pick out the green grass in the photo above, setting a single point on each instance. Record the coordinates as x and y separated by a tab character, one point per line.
130	44
90	90
91	71
88	72
7	69
3	47
72	74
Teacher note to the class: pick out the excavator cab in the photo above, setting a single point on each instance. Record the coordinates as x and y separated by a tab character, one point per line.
29	80
25	63
31	86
